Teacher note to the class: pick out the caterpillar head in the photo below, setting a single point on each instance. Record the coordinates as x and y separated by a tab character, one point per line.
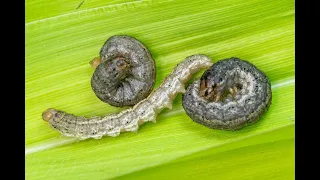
211	86
50	114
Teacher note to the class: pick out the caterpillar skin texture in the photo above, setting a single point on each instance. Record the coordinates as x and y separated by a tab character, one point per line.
125	73
230	94
129	119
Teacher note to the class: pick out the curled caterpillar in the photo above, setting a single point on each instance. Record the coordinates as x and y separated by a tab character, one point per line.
129	119
229	95
125	72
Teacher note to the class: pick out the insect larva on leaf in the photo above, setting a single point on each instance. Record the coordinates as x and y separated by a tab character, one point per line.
230	94
129	119
125	72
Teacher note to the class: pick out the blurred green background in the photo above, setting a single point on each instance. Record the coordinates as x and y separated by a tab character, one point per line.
61	39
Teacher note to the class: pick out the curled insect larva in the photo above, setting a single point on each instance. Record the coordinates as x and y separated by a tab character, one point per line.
129	119
125	72
229	95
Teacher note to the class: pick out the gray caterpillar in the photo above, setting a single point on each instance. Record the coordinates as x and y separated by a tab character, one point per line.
129	119
125	72
230	94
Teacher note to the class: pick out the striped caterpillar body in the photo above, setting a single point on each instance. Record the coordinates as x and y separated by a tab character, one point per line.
230	94
125	72
129	119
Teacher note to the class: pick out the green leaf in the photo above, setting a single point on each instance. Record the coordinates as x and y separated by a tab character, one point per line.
61	40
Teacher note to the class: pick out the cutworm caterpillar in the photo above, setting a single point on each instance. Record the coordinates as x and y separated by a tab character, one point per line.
230	94
125	72
129	119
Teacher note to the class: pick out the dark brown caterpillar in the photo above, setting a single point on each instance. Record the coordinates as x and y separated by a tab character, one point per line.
229	95
125	72
129	119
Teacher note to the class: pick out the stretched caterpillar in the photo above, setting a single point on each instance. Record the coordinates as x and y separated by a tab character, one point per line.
125	73
229	95
129	119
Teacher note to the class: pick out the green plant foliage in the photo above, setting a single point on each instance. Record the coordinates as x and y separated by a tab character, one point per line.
61	39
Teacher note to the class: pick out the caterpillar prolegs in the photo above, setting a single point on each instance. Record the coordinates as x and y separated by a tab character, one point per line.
129	119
